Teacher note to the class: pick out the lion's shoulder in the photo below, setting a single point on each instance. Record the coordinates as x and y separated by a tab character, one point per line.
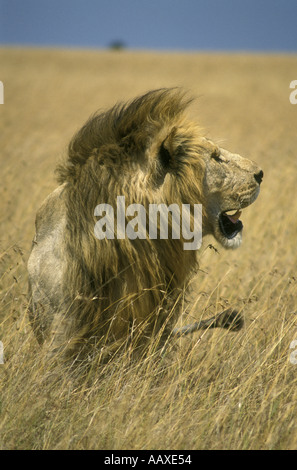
51	212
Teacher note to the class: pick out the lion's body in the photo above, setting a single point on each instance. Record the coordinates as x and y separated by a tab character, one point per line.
105	291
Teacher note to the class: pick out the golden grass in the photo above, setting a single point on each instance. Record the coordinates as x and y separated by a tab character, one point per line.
217	390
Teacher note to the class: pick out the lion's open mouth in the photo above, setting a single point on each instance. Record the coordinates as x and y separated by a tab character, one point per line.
229	223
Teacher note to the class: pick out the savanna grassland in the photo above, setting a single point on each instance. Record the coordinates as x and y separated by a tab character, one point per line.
216	389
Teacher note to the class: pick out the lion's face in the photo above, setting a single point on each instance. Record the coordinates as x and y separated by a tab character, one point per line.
200	172
203	173
230	184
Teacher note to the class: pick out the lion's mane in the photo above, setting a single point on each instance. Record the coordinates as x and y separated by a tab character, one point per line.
127	288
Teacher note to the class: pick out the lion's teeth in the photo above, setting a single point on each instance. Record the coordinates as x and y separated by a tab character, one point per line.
233	215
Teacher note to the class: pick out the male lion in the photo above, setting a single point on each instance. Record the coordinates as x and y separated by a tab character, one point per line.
119	290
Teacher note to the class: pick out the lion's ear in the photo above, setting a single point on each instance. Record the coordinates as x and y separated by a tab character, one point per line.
164	156
167	151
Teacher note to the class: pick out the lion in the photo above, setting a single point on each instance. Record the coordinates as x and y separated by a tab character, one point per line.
118	290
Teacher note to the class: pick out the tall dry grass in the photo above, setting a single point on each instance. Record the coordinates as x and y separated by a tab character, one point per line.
216	389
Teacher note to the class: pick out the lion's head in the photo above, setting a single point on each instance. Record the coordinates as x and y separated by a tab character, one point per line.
230	184
149	152
199	171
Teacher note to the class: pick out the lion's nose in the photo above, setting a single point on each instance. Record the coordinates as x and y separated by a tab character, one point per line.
259	176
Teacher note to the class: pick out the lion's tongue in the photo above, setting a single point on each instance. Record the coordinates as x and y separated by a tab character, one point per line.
234	218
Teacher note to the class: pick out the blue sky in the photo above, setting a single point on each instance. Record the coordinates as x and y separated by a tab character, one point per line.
245	25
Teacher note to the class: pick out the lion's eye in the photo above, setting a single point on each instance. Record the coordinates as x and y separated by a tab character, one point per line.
216	156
